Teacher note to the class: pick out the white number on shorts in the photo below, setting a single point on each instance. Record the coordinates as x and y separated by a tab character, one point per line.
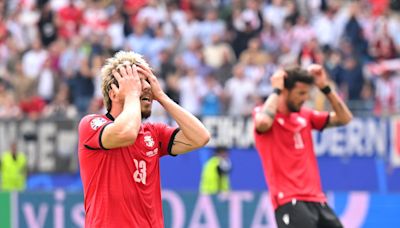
140	173
298	141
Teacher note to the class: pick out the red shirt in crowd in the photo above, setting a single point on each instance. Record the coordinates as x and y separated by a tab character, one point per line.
287	155
69	19
122	185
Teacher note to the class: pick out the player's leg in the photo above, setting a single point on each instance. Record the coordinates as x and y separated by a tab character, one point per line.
327	217
296	214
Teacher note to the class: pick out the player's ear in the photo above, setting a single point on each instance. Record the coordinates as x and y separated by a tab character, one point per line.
112	94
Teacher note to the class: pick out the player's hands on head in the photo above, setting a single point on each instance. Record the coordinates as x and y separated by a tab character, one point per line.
128	81
278	79
156	89
319	74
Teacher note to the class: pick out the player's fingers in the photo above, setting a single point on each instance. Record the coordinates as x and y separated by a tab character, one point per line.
128	69
115	88
145	69
135	71
116	75
143	72
147	73
122	70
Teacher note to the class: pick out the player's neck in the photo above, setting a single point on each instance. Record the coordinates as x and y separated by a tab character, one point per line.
283	108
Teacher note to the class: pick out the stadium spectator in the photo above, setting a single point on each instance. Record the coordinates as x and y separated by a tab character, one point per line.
61	107
8	105
282	132
34	59
47	25
81	86
211	101
385	95
119	155
254	54
68	20
192	89
13	168
246	25
210	27
239	93
217	52
353	77
270	39
215	174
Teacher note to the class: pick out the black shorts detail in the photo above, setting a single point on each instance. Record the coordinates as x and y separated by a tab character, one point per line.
301	214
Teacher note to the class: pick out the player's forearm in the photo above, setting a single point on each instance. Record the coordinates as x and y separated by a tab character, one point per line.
265	118
271	104
190	126
128	122
341	110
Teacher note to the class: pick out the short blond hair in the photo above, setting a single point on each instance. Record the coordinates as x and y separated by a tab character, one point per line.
119	59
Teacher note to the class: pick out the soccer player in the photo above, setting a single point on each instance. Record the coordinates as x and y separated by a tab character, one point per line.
284	142
119	155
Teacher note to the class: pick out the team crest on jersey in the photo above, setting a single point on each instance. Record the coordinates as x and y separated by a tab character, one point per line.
148	140
97	122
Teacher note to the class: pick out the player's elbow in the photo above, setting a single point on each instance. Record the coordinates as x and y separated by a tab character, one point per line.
347	119
206	138
262	125
203	139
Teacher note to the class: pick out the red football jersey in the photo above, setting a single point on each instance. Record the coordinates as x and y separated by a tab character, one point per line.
287	154
122	185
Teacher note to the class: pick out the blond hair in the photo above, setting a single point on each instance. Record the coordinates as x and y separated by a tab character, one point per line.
119	59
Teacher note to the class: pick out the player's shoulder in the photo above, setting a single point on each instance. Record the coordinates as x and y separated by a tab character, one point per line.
95	121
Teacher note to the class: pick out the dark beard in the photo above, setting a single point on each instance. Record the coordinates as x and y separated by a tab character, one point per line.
146	115
292	107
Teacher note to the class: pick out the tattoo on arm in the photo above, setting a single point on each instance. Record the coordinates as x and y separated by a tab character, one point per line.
269	113
186	144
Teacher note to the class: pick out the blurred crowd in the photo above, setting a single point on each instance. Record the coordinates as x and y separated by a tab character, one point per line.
213	57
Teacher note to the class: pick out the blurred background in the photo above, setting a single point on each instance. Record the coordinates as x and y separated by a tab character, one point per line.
214	58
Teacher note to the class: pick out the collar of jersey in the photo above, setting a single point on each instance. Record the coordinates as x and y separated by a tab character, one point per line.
109	116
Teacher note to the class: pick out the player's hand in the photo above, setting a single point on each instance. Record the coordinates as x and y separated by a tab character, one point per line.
128	82
319	74
278	79
156	89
